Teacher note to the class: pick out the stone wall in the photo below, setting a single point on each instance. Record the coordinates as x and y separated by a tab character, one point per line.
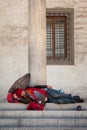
13	42
14	25
72	78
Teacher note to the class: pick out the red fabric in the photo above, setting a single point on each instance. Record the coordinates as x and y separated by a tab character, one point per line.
32	89
18	92
35	106
9	97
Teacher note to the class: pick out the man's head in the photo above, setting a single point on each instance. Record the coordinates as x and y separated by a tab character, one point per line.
20	92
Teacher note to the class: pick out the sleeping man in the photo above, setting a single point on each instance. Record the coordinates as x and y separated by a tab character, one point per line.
22	92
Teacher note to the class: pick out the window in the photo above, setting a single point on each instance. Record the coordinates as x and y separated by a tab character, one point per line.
59	29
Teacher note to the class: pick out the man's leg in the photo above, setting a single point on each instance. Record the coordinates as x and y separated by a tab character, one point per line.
56	94
60	100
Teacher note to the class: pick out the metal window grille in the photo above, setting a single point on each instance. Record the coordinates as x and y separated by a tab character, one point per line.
58	29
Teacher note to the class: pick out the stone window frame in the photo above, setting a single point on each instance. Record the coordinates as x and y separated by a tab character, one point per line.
70	60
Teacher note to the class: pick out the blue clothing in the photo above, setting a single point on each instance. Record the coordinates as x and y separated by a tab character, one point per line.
54	96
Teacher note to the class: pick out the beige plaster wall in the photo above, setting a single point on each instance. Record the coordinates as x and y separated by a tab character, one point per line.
72	78
14	46
13	42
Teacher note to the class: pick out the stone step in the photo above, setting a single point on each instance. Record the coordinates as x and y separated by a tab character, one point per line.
43	122
12	106
54	117
43	128
49	106
43	114
71	106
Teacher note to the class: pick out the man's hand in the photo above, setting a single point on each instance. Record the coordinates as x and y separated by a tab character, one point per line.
15	96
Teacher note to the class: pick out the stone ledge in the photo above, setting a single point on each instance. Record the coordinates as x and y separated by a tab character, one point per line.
49	122
48	106
43	114
43	128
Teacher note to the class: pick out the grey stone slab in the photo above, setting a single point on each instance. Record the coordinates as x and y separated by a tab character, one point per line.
49	106
43	128
56	122
43	114
20	114
65	106
12	106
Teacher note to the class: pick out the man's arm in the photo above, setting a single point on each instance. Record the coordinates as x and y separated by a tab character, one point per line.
42	86
24	100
